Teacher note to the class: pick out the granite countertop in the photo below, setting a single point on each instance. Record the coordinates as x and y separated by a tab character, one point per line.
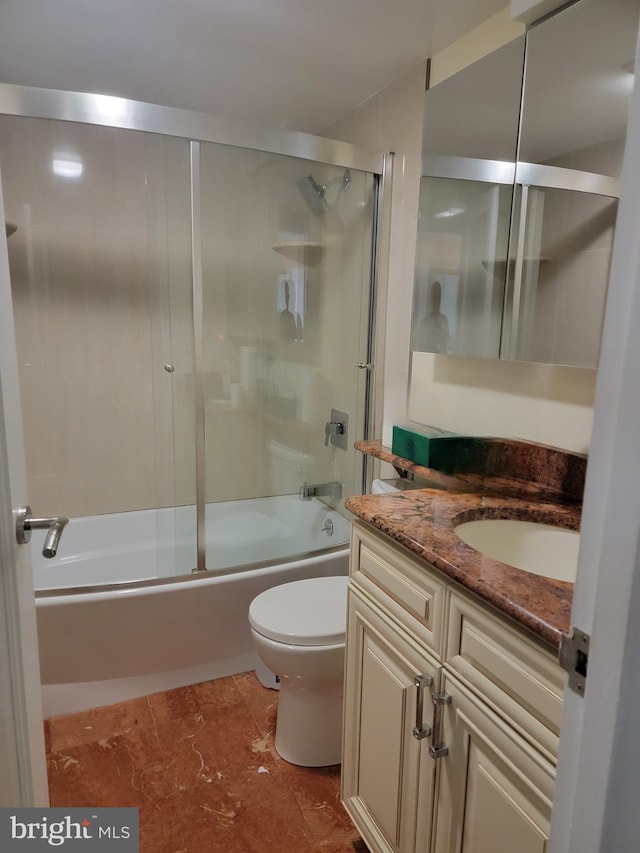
423	521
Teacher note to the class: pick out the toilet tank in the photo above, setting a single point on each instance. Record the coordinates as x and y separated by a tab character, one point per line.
289	468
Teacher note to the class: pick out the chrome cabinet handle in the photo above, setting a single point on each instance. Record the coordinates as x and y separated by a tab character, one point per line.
437	748
421	730
54	526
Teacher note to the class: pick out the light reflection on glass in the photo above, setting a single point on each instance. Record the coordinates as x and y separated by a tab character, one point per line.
65	168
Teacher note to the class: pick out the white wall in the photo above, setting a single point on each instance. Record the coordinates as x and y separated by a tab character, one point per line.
542	403
493	33
537	402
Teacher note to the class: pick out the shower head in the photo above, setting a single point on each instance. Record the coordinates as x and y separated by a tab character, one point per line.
315	194
10	228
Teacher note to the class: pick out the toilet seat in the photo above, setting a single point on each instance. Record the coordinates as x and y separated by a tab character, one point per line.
311	612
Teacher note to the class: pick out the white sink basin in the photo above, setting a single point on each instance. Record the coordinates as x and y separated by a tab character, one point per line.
537	548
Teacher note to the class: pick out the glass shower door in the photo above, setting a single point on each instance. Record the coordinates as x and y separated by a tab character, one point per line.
100	260
286	271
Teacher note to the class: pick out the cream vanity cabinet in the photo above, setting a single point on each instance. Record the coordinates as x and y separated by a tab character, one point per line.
451	714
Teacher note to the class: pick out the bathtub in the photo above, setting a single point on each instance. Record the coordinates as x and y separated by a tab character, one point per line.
119	618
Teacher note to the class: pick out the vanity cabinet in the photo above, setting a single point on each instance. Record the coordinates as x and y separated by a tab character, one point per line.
451	713
390	681
494	790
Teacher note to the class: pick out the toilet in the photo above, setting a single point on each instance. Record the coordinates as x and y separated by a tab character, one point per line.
299	632
289	468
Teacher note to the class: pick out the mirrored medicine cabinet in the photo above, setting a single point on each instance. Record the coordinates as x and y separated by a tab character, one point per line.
521	162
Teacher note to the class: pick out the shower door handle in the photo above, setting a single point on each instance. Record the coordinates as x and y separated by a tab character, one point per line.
54	526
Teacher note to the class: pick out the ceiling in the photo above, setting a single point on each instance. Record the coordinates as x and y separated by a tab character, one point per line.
300	64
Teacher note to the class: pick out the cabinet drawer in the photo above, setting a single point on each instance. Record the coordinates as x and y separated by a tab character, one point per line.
517	676
404	587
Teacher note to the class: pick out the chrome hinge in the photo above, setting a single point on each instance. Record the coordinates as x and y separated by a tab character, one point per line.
574	657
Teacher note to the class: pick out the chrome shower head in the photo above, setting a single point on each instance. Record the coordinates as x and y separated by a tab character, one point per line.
315	194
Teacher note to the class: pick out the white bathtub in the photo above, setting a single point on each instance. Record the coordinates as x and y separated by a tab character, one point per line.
99	646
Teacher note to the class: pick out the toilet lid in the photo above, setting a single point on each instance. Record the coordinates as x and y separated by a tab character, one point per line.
312	612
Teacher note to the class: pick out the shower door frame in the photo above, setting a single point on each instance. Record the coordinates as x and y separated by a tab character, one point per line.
195	127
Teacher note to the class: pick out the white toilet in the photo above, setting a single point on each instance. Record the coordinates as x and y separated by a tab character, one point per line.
289	468
299	631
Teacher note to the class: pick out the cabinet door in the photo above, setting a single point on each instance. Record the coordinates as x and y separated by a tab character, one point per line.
494	790
386	769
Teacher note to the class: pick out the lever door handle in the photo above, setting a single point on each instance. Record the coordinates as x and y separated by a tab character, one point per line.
54	526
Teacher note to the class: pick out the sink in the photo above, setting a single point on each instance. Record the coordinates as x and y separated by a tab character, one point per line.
541	549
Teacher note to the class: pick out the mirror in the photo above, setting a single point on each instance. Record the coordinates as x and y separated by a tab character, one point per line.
578	79
519	266
470	136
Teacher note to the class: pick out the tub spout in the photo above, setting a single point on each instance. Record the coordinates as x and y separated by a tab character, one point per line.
25	523
52	539
332	490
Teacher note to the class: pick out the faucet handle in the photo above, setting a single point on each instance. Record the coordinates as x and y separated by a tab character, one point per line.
332	428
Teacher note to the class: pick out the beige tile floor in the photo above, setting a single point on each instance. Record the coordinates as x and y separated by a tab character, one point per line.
200	764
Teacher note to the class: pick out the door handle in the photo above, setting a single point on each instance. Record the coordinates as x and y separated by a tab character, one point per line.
25	523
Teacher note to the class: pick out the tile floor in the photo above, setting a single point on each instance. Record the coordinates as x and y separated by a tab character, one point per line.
200	764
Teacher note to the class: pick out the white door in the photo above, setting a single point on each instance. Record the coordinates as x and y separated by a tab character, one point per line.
23	775
596	801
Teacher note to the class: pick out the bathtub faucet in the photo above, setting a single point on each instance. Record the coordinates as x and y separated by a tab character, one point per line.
25	523
332	490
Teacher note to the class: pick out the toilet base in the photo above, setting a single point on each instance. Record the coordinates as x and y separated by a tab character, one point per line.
265	676
309	725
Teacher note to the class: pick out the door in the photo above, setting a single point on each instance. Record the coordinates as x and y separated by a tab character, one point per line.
286	283
595	807
23	780
494	791
387	775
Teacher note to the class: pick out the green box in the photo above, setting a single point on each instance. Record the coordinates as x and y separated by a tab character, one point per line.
430	447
